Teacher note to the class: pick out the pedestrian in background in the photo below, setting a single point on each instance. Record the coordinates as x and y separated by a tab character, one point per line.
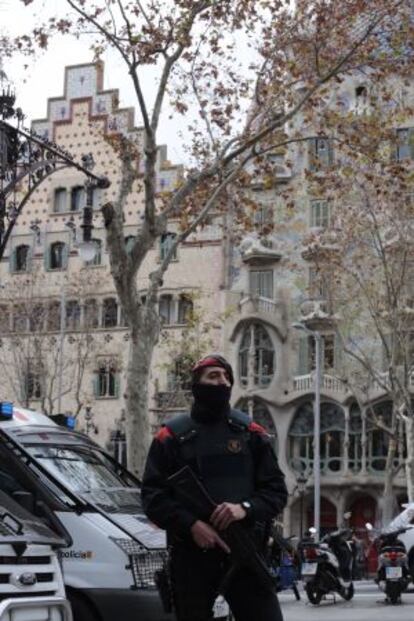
234	459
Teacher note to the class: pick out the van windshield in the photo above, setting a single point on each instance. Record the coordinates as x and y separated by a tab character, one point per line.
86	472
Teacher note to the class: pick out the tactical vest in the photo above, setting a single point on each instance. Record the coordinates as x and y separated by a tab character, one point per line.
219	453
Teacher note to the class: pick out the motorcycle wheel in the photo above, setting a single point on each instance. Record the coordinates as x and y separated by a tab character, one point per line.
348	592
313	593
393	592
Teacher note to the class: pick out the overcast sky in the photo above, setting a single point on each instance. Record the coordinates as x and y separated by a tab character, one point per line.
44	76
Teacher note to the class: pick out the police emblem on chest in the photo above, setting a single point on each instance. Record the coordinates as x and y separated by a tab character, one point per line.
234	445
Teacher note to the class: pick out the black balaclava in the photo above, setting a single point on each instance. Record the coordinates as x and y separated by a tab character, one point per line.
211	403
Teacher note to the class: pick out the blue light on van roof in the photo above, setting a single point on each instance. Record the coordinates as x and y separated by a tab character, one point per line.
6	410
70	422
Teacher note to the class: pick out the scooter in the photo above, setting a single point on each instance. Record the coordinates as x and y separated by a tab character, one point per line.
327	565
393	574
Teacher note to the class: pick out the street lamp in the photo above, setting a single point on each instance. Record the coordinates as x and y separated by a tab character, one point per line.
316	426
26	159
301	482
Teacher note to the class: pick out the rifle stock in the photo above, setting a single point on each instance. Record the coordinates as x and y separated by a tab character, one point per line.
191	493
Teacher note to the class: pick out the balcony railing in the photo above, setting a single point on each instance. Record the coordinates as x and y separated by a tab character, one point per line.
306	383
259	304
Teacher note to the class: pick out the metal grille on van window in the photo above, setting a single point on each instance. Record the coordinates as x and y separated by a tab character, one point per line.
144	565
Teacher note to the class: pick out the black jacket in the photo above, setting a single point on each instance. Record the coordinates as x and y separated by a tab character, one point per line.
164	458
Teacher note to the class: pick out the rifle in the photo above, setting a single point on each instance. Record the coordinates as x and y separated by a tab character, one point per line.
192	494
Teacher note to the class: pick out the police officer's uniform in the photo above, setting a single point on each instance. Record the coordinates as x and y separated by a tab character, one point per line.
235	462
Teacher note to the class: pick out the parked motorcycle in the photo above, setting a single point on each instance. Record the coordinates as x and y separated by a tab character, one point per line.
393	575
284	563
327	565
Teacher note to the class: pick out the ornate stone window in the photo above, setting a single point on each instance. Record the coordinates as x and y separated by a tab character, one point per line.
106	380
331	438
259	413
256	357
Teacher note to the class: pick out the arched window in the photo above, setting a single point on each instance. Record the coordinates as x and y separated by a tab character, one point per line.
77	198
57	257
331	438
378	440
21	258
256	357
110	313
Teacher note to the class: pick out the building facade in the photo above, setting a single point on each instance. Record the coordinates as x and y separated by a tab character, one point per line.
64	343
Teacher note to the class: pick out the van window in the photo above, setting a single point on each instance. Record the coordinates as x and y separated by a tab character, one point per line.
85	473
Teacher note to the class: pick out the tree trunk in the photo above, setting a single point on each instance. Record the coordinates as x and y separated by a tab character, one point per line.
387	501
144	337
409	463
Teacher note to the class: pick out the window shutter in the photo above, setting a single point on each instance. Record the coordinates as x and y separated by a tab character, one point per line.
303	362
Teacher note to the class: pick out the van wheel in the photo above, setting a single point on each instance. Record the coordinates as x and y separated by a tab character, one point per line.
81	608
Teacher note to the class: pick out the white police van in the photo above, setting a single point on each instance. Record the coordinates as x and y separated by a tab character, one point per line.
404	519
114	552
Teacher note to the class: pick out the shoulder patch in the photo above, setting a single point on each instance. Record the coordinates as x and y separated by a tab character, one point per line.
256	428
163	434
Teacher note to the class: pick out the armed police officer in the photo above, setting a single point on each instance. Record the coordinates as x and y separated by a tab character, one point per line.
234	460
